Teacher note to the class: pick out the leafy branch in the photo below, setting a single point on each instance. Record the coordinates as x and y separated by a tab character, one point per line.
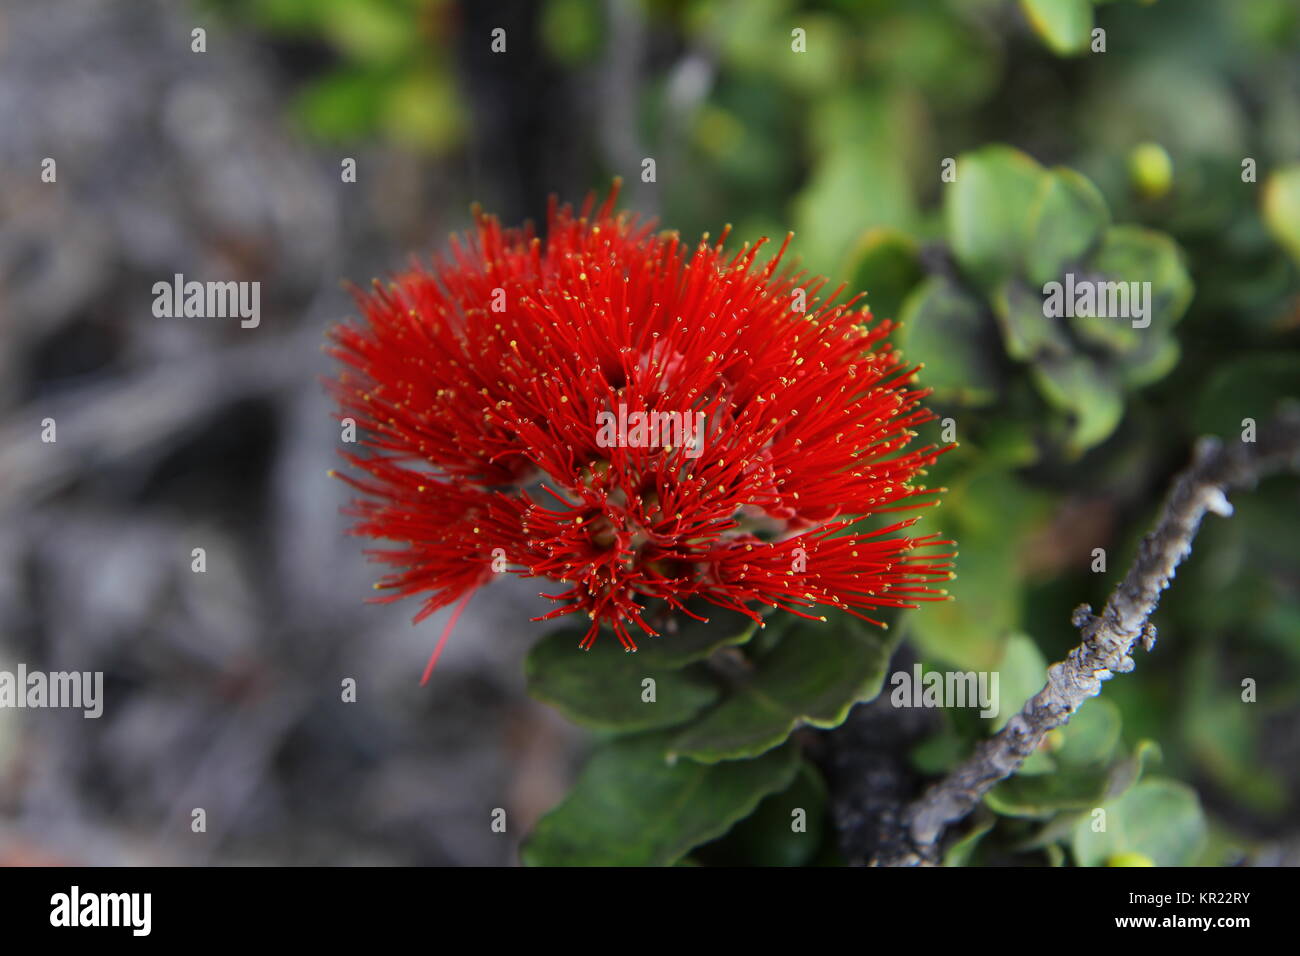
1108	637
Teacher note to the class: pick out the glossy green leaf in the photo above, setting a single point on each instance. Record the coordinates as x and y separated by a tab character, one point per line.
787	829
947	330
632	807
813	674
603	687
686	640
1159	819
1064	25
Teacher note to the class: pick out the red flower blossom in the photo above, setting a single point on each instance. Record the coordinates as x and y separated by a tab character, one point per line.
488	385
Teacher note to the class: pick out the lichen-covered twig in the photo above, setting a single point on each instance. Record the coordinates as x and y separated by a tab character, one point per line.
1108	637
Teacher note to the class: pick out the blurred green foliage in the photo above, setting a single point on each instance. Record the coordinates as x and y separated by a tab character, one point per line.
1016	231
1172	157
386	71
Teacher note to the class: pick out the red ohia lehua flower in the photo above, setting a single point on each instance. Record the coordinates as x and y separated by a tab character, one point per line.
493	383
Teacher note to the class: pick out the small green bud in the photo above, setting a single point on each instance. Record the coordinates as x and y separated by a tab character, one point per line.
1151	171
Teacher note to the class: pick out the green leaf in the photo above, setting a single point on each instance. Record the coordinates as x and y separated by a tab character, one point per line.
1064	25
787	829
632	807
1091	735
1159	819
1044	800
687	640
885	265
1088	740
1027	331
1022	673
989	210
960	852
1281	208
1043	795
812	675
1076	385
946	330
602	688
1068	218
1133	254
939	753
852	180
1073	786
1009	441
1153	360
1125	773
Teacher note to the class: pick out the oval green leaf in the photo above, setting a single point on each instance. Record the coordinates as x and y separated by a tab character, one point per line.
989	209
1159	819
604	688
632	807
947	330
812	675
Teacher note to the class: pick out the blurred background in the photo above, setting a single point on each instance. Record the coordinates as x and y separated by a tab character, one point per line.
223	688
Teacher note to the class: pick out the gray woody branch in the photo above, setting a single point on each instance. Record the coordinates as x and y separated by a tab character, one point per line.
1108	638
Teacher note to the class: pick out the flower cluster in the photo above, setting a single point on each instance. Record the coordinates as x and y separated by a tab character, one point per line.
482	382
